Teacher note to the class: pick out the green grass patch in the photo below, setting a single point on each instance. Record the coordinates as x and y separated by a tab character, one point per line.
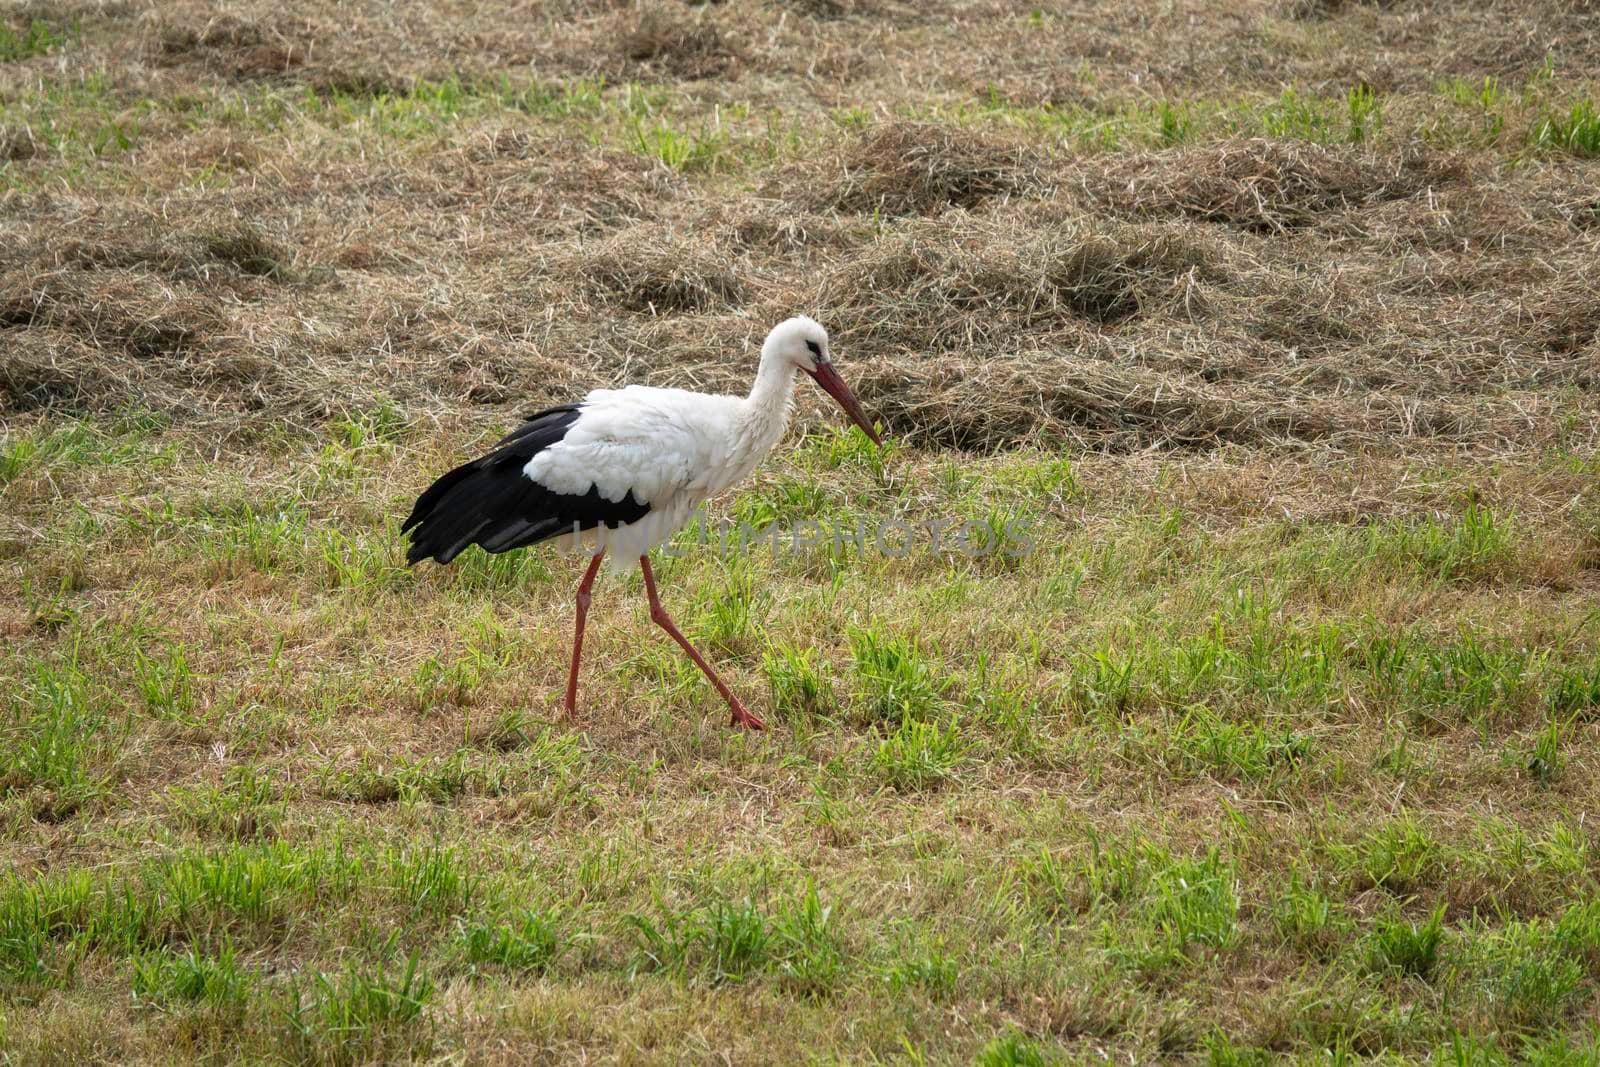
37	39
359	1014
731	941
166	978
530	942
1575	131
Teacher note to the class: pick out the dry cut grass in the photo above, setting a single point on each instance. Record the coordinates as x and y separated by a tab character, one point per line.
1268	329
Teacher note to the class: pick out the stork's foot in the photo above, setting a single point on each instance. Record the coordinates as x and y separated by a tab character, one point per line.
658	613
743	716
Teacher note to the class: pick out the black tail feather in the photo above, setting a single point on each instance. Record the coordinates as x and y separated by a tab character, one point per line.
538	433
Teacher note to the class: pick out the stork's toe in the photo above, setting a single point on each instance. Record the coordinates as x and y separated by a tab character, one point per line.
742	716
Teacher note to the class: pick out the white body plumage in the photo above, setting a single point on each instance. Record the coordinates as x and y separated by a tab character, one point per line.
623	469
671	448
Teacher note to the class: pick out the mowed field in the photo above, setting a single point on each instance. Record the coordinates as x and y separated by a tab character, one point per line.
1274	324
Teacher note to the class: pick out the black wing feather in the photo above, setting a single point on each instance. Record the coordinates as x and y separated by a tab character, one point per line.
490	502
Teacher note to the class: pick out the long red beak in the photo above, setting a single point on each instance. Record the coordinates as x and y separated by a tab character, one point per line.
829	379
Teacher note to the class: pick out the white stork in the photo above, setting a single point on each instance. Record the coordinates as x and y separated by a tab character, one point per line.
627	467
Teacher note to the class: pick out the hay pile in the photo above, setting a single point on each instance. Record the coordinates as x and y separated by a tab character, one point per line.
78	339
1241	293
972	282
631	272
664	41
850	50
236	48
1261	185
910	168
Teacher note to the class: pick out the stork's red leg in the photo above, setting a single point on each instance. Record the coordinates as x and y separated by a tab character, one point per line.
577	633
742	715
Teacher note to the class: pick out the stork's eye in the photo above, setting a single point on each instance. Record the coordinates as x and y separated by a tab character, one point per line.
816	349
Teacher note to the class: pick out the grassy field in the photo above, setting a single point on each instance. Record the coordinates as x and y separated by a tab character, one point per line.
1275	325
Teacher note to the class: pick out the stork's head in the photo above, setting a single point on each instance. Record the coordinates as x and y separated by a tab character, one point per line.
803	343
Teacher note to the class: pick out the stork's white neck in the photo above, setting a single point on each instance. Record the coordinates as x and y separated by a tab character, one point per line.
766	412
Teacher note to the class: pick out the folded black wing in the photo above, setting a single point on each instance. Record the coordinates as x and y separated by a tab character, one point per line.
490	502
